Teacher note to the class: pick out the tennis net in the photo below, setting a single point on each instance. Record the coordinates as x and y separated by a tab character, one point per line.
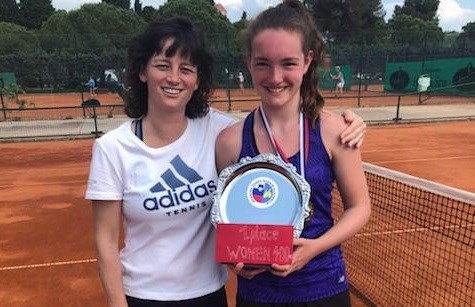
418	247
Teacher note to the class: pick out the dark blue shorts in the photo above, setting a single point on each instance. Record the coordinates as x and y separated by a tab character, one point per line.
217	299
341	300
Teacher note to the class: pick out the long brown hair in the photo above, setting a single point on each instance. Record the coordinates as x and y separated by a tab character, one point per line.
292	16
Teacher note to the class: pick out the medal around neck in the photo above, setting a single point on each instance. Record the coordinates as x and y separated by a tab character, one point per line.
263	190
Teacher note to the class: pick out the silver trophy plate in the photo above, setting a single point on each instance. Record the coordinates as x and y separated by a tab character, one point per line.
262	190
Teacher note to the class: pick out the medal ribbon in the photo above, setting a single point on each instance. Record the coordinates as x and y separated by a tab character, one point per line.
303	140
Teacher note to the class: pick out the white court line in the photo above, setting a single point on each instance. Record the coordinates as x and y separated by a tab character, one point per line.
63	182
411	230
423	160
42	265
426	148
52	168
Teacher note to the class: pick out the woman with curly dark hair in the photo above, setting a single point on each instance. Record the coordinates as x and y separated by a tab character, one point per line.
157	172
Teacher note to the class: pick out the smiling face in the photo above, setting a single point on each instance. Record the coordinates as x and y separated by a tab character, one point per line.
171	81
277	65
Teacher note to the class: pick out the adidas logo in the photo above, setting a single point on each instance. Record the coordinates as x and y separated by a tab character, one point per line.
182	185
172	180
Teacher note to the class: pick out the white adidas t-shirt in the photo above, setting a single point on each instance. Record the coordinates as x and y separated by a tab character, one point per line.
167	196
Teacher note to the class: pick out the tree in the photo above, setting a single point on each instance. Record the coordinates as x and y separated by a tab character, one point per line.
466	39
416	23
468	31
328	16
405	29
137	7
94	27
125	4
9	11
422	9
34	12
347	21
209	1
239	28
16	39
81	43
242	24
148	13
201	12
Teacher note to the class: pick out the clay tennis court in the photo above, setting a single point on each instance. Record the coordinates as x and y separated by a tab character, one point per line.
47	256
247	99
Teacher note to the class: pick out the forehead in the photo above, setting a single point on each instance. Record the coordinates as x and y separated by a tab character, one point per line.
277	43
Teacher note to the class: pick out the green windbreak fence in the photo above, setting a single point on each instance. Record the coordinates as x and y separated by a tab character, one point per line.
7	78
325	80
447	75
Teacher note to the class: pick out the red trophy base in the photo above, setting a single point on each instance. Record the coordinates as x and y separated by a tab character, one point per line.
253	244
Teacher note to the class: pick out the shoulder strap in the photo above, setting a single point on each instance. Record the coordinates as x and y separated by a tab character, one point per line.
138	129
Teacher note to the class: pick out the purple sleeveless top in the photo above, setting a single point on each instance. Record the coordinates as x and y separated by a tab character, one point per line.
324	275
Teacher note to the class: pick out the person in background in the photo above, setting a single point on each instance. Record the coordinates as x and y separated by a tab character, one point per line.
340	81
156	173
241	80
91	84
283	50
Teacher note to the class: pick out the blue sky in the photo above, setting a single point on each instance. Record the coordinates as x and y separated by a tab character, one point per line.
453	14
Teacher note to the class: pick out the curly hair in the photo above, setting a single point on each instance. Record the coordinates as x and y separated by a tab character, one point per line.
292	16
189	42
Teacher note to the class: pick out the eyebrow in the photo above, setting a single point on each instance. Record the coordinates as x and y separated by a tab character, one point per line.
282	60
161	57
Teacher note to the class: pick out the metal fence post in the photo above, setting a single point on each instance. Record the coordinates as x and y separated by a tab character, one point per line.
96	132
2	85
397	118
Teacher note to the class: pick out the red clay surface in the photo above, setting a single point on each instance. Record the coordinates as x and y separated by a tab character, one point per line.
440	152
67	105
47	255
248	99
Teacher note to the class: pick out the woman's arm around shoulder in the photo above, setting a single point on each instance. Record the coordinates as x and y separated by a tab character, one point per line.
228	146
355	130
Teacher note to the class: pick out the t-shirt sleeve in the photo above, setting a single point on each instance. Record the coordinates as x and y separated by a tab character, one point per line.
221	120
105	182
